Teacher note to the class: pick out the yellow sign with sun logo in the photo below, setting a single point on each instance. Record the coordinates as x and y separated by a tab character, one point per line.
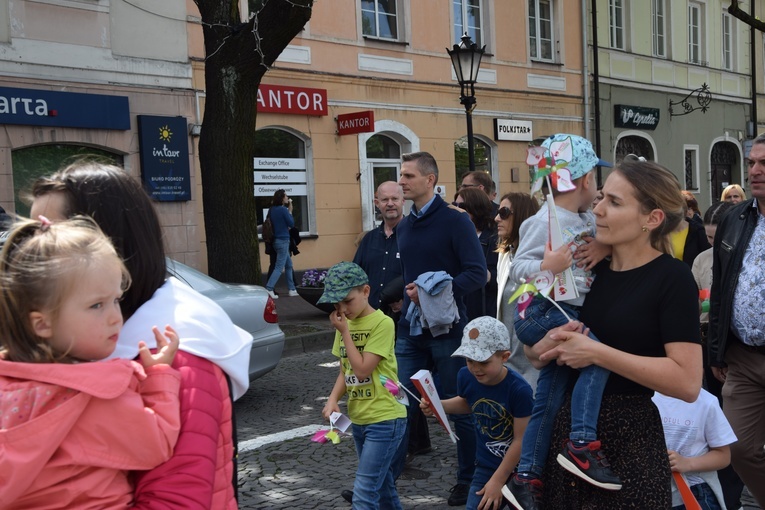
165	134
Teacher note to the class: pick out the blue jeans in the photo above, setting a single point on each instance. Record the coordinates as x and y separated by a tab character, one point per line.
375	445
480	477
541	317
283	262
423	351
704	495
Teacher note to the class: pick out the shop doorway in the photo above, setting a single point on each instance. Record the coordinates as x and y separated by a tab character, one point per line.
722	163
636	145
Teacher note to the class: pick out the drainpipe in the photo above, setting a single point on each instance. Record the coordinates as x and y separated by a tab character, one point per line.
753	65
585	72
595	84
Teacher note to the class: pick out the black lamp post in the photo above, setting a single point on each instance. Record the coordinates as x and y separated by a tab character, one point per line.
466	59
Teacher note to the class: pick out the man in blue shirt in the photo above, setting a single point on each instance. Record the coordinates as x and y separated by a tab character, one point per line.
377	253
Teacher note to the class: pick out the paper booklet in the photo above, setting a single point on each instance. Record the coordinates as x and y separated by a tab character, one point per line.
565	287
423	380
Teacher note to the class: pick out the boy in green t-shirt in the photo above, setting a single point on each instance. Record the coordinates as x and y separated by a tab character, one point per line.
364	343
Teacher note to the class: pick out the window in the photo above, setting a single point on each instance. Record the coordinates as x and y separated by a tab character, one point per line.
384	155
616	23
691	167
280	163
461	160
33	162
727	41
659	28
541	30
695	34
467	18
378	19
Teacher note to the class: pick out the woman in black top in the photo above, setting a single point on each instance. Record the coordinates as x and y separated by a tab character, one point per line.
643	307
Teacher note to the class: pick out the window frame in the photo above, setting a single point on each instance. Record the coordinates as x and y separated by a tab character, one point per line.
616	24
482	19
377	37
537	38
695	162
659	23
699	43
728	41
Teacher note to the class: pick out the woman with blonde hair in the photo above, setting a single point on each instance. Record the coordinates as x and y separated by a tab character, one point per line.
733	193
643	307
514	208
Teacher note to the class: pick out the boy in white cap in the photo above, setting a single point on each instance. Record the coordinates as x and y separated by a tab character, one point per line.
499	401
364	343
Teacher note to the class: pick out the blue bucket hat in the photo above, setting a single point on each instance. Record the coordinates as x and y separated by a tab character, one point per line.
340	279
575	150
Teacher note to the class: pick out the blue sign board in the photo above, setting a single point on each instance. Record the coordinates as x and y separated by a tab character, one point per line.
32	107
164	154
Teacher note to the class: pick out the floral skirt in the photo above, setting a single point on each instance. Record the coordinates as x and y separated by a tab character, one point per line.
630	430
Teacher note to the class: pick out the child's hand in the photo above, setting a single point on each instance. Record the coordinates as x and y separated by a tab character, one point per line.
425	407
167	346
339	322
492	496
558	260
677	462
329	408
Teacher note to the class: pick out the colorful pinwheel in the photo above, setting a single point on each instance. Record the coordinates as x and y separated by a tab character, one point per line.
541	285
552	164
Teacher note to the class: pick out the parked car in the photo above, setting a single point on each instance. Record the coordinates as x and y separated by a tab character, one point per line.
249	306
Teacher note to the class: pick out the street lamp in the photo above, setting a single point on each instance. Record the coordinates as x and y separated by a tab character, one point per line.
466	59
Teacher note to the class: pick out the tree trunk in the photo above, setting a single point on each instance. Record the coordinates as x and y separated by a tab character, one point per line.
238	55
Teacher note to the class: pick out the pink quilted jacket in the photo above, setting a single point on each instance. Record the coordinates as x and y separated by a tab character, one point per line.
199	474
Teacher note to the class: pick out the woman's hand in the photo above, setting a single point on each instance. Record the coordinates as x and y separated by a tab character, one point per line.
167	346
547	343
574	349
588	255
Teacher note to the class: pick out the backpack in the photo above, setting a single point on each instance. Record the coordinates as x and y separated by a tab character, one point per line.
268	230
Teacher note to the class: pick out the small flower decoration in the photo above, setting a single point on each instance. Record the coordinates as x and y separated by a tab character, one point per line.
314	278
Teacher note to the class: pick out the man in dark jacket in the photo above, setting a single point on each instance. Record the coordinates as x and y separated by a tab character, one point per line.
737	324
435	237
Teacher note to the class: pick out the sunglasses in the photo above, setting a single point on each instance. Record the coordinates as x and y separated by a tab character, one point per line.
459	204
505	212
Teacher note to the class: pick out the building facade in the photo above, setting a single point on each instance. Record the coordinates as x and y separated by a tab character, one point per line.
675	85
368	81
105	77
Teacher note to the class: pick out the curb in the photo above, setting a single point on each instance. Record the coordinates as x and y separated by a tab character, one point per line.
300	344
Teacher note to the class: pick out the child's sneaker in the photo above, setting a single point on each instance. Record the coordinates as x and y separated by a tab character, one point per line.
523	493
589	463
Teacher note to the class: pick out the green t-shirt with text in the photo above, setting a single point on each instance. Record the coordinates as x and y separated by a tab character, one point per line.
368	400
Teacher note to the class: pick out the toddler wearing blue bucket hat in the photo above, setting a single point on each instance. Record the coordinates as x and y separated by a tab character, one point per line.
364	343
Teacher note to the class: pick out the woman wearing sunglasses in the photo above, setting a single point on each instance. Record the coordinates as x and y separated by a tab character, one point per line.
476	203
514	208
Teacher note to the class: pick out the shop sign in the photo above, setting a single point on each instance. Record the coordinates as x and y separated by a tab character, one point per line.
164	154
636	117
514	130
279	163
292	100
32	107
268	190
358	122
276	177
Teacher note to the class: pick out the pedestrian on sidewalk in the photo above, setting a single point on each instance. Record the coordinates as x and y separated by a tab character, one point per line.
281	218
364	343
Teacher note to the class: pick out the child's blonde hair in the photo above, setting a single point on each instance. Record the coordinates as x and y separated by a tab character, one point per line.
39	266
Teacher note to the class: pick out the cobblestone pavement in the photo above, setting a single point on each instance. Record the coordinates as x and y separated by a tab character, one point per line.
280	472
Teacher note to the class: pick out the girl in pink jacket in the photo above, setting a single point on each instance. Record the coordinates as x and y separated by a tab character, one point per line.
70	430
